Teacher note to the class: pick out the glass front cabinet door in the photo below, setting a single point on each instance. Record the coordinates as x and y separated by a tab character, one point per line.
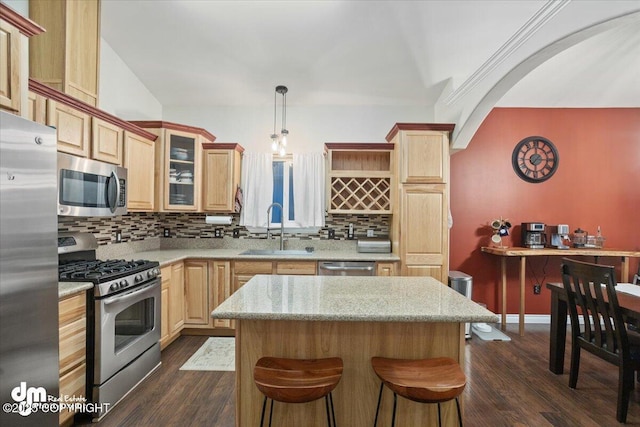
182	171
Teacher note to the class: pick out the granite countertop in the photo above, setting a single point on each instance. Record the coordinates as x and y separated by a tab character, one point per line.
334	298
69	288
168	256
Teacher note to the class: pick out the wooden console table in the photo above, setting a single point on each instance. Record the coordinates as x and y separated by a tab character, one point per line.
523	253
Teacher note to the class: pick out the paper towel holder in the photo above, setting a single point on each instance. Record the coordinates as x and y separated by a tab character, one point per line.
218	220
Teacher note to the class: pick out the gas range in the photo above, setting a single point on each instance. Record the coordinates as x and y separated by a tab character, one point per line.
123	317
110	276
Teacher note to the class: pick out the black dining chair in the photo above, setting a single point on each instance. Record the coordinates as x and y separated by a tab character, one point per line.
591	289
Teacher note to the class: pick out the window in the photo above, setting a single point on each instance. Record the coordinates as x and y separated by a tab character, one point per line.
283	193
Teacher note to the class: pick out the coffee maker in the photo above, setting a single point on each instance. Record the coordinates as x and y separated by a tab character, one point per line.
533	235
558	236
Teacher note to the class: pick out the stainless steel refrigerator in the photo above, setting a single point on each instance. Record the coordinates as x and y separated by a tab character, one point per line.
28	271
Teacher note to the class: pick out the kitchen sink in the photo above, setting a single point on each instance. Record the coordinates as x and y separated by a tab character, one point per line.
276	252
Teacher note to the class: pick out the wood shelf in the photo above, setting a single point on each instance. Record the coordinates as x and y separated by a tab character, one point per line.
359	177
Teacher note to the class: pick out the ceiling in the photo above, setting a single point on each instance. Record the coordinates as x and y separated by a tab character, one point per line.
387	53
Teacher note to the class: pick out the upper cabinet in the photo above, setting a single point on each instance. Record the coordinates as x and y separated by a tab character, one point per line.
359	177
221	176
106	141
423	156
74	128
67	56
139	159
178	164
14	31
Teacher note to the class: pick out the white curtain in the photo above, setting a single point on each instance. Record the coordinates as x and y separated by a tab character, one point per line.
257	184
308	189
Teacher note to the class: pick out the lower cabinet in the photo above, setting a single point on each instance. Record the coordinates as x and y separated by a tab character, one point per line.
72	322
173	303
208	284
196	293
386	269
219	290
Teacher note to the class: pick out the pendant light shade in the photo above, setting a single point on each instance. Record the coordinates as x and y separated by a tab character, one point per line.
279	141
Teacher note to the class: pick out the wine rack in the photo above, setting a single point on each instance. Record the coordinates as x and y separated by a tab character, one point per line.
359	178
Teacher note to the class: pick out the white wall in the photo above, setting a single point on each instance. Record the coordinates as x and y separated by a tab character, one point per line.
20	6
121	92
309	127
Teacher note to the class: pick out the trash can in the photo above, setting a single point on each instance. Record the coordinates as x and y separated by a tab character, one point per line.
463	284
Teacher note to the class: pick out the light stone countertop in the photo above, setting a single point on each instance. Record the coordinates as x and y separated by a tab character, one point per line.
334	298
168	256
70	288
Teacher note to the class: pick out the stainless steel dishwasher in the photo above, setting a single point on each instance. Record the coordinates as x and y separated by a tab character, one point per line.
346	268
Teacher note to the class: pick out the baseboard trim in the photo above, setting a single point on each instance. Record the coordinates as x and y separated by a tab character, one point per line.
531	318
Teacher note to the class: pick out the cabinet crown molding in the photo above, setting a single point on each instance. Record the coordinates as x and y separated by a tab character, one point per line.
447	127
358	146
24	25
223	146
55	95
174	126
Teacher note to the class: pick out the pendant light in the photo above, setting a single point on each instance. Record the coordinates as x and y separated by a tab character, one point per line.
279	141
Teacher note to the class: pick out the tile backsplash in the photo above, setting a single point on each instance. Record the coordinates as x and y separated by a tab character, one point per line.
140	226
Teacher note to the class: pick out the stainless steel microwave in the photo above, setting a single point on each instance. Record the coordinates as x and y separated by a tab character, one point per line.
90	188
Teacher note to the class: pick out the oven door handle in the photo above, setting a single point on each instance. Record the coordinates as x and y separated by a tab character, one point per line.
129	295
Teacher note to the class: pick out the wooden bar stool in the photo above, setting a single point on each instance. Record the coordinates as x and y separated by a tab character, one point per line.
424	380
297	381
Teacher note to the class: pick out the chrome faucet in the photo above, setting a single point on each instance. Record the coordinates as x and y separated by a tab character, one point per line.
281	223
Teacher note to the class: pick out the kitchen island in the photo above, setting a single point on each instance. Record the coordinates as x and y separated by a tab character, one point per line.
354	318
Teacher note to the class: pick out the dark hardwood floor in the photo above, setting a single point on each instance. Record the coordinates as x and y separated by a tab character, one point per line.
508	385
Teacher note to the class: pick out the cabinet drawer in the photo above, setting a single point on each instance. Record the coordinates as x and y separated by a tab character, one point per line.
72	384
73	341
253	267
296	267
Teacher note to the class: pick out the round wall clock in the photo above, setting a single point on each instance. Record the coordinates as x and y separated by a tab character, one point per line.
535	159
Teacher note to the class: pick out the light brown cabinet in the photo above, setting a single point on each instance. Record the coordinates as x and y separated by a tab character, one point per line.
386	269
72	322
359	178
423	152
10	84
419	227
425	241
172	303
196	293
178	165
139	159
243	271
219	290
36	108
67	56
208	284
107	142
221	176
73	128
14	33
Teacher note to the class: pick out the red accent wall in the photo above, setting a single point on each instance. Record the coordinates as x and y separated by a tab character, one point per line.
597	184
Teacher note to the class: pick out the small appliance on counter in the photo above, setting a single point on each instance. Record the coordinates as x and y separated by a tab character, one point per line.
558	236
579	238
533	235
380	245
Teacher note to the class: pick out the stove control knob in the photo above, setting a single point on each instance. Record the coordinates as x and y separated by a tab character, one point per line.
123	284
139	278
113	287
151	274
